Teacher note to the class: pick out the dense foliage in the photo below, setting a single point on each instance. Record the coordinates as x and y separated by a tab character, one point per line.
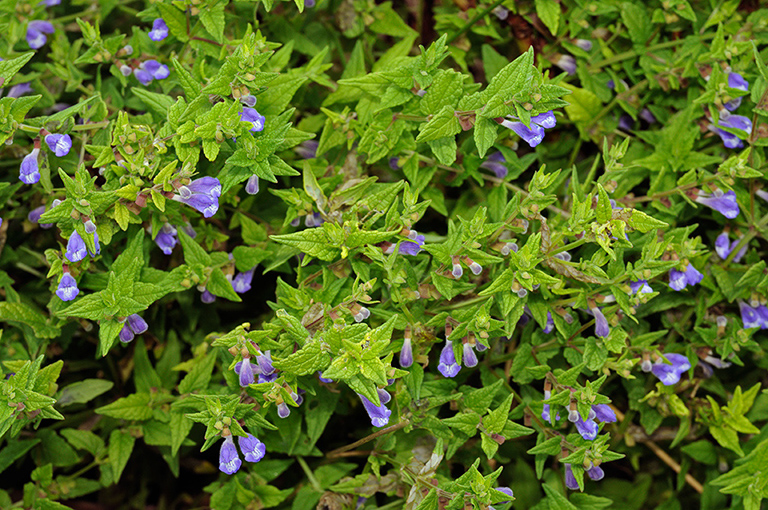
358	255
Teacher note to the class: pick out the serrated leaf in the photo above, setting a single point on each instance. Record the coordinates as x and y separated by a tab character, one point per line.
133	407
120	448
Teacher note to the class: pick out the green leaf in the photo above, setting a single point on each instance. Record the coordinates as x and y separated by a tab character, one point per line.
312	241
158	103
9	68
199	377
218	285
307	360
549	13
120	448
644	223
83	391
133	407
637	21
485	134
443	124
193	252
15	450
175	19
512	79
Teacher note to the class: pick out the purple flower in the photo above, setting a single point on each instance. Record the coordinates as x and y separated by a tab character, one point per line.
535	134
265	363
384	396
567	63
412	247
229	460
156	69
76	249
201	194
730	140
584	44
749	317
678	280
36	31
626	123
736	81
59	144
469	357
595	473
49	3
307	149
29	172
323	379
95	245
495	163
67	289
448	366
570	480
394	163
545	412
587	428
19	90
90	227
669	374
166	238
245	370
500	12
252	186
254	117
602	329
379	415
34	214
604	413
206	297
647	116
253	449
126	335
406	353
550	325
137	324
159	30
248	100
724	247
242	281
640	286
724	203
143	76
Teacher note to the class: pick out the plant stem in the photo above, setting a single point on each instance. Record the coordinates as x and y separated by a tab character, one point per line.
370	437
310	475
634	53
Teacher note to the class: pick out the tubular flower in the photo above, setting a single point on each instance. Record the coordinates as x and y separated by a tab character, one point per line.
151	70
740	122
724	203
495	163
595	473
584	44
550	325
640	286
448	366
506	491
602	329
29	172
570	480
469	356
545	412
134	325
246	370
535	134
36	31
406	353
242	281
750	317
283	411
724	247
206	297
76	250
252	186
166	239
308	148
67	289
159	30
678	280
253	449
229	460
736	81
255	118
669	373
201	194
379	415
265	363
567	63
59	144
